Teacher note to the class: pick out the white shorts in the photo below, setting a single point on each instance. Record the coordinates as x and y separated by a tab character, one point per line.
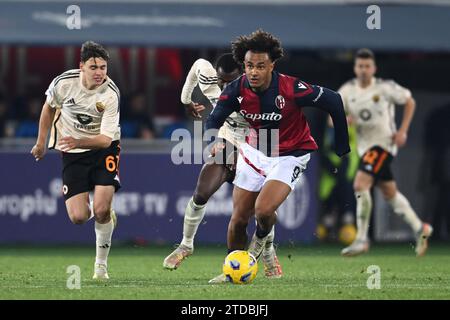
236	136
254	169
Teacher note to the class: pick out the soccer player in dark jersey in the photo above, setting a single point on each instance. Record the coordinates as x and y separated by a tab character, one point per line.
278	147
211	81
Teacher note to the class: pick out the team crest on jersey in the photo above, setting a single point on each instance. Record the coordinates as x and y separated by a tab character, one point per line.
376	98
84	118
365	114
280	102
100	107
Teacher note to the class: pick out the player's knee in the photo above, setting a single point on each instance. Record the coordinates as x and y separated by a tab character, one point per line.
360	187
238	221
77	218
201	198
264	211
101	213
388	193
102	219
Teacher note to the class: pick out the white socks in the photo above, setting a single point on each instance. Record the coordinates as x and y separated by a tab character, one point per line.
192	217
103	233
363	211
401	206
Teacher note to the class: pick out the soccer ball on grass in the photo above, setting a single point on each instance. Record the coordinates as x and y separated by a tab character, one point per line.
240	267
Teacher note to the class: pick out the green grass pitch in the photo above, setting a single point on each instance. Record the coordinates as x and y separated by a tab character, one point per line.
310	272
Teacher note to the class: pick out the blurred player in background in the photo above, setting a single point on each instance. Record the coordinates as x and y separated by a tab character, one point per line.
278	147
213	175
338	205
370	102
82	110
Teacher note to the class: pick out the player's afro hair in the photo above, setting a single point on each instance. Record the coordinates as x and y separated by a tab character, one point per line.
227	63
91	49
259	42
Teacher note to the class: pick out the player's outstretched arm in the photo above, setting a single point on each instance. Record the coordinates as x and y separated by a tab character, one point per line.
45	122
203	74
217	117
194	109
331	102
226	105
98	142
401	135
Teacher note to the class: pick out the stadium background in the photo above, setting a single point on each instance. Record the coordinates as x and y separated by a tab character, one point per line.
153	44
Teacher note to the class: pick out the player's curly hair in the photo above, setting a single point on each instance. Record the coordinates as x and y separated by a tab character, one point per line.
260	42
91	49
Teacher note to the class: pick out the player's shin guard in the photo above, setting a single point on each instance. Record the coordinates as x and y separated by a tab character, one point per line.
363	211
401	206
192	217
103	233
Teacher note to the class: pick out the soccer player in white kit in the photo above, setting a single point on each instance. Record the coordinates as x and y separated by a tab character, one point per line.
82	111
369	103
211	81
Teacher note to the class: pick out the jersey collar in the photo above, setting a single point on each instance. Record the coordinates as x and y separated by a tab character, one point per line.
273	83
372	82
